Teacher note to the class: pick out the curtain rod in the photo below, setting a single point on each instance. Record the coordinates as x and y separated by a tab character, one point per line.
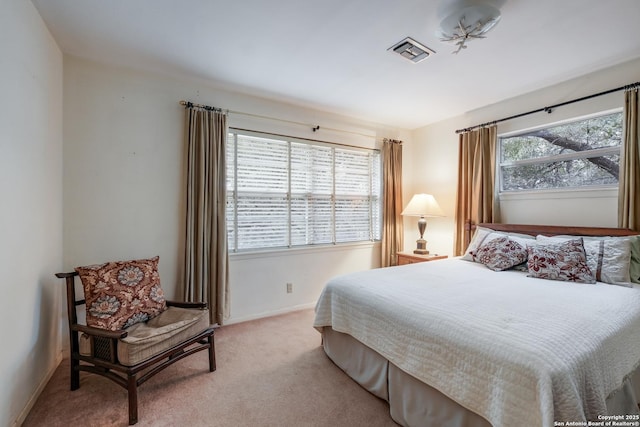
189	104
550	108
314	127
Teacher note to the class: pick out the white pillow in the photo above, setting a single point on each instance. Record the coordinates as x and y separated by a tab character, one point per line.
485	235
608	257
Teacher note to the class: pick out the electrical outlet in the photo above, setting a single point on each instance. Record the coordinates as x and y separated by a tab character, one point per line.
289	288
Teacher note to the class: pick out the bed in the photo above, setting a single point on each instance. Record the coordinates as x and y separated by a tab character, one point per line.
454	343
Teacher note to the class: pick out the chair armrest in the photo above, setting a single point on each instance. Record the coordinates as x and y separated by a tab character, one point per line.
182	304
65	275
97	332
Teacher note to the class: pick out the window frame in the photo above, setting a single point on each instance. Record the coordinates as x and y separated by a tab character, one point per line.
599	152
375	224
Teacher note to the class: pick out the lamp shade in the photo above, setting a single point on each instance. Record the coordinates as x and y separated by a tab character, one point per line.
422	205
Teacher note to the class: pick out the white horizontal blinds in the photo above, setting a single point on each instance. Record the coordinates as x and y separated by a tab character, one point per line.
376	198
231	191
284	193
262	192
353	192
311	194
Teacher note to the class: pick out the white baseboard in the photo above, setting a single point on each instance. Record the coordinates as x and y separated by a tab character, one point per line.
34	397
270	313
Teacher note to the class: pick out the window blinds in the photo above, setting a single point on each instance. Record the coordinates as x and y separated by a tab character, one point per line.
286	193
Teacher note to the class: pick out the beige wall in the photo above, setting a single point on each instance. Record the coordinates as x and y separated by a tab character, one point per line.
123	180
31	212
433	156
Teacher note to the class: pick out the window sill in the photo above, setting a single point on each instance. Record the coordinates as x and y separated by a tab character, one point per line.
569	193
280	252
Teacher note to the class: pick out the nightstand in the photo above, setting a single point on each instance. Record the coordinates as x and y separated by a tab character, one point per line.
411	258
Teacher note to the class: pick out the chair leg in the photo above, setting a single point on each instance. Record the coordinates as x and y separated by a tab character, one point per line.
75	373
132	391
212	354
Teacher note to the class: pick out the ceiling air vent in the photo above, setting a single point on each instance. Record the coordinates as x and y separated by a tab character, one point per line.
412	50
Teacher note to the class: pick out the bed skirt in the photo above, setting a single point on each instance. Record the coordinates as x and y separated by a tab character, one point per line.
413	403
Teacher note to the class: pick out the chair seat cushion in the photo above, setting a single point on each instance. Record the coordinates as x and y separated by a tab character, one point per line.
145	340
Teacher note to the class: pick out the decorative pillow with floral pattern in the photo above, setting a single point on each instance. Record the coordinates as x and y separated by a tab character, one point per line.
500	254
484	235
608	258
564	261
122	293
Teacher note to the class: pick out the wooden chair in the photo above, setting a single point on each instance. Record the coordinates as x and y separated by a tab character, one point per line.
100	351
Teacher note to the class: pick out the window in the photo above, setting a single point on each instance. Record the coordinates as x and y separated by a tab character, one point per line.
283	192
584	153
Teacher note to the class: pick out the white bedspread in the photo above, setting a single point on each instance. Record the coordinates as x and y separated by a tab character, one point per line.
518	351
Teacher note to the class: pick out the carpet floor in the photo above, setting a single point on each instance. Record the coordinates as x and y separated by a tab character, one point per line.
270	372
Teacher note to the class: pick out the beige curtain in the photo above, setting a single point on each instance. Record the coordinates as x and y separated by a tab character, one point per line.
392	226
629	190
475	199
206	258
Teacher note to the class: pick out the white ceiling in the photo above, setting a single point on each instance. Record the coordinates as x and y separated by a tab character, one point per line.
332	54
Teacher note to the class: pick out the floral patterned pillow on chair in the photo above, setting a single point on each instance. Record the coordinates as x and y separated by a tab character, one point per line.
122	293
500	254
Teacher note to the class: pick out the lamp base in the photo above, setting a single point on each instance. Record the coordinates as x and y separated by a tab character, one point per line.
422	247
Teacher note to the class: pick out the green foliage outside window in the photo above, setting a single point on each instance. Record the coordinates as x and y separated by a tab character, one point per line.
578	154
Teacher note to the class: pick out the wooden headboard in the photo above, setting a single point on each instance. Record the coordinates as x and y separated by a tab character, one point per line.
549	230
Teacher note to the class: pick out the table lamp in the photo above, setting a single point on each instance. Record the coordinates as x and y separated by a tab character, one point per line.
422	205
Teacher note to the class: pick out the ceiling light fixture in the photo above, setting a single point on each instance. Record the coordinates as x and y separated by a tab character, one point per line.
471	20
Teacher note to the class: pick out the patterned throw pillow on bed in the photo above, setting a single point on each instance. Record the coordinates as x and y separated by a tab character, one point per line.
122	293
483	236
564	261
500	254
608	257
